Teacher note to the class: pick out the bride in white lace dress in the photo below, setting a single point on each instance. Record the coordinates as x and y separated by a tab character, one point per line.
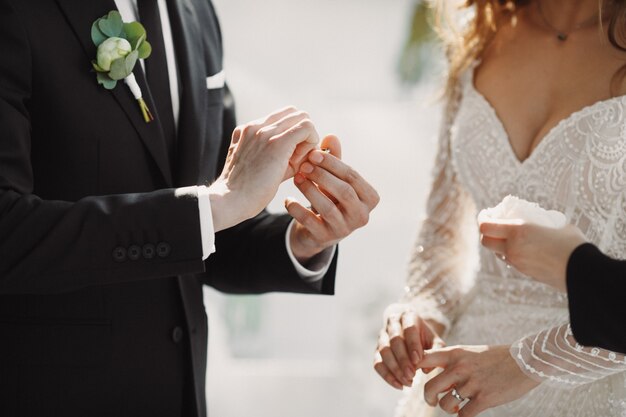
542	117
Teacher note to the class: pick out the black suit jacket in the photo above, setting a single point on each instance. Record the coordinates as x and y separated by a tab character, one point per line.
596	286
101	309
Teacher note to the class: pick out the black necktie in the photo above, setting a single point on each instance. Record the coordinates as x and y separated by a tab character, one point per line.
156	71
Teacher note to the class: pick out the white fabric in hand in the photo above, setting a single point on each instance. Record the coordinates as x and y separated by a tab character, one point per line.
514	208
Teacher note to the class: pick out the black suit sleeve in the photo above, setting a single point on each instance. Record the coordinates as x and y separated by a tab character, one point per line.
55	246
251	258
596	285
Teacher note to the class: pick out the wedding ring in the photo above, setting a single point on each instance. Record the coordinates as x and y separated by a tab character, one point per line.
503	259
456	395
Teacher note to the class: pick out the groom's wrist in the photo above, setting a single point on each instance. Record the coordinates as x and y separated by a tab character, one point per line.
228	208
302	245
218	196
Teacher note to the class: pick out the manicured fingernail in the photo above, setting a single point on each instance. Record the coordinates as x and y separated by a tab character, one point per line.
307	168
415	357
299	179
316	157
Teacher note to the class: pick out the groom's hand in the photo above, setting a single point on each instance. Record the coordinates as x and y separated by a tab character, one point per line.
341	201
262	154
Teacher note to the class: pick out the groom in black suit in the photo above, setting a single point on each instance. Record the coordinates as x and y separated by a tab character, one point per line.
102	254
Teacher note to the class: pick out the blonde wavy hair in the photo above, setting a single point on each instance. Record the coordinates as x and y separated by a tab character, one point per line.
467	30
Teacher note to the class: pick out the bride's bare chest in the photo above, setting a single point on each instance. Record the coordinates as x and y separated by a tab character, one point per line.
534	83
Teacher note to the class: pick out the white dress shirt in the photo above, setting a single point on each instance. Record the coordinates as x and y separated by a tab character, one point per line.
129	11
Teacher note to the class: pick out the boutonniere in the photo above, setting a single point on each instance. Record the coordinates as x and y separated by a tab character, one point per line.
120	45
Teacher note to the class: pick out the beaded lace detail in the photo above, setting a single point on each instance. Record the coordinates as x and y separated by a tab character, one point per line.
579	168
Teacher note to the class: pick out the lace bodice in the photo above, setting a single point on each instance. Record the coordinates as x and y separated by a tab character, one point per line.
579	168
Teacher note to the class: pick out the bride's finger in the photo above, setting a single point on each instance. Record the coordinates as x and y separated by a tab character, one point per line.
496	245
439	384
451	404
399	350
391	363
500	229
385	373
410	327
473	408
397	346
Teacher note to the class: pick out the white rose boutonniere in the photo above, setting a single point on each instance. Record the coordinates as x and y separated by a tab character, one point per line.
120	45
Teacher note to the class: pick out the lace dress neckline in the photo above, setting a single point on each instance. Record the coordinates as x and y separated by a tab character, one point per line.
553	132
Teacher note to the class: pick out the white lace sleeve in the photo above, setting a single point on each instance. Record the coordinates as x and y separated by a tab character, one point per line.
440	261
554	357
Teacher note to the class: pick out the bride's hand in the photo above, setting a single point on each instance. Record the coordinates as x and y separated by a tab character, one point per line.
401	345
486	376
539	252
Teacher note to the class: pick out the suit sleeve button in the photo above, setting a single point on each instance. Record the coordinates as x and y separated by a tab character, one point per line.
134	252
149	250
177	334
163	250
119	254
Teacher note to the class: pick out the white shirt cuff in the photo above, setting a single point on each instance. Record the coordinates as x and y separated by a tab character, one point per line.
317	267
207	231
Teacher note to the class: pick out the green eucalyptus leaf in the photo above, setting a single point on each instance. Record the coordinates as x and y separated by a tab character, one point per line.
145	49
96	34
106	81
95	66
130	61
134	32
118	69
112	26
141	40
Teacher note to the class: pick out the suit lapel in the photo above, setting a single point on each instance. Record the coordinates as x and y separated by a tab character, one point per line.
190	56
81	14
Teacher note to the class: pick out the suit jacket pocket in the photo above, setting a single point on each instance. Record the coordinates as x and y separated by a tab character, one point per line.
62	342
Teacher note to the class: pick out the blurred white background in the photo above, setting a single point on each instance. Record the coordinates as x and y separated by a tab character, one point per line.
284	355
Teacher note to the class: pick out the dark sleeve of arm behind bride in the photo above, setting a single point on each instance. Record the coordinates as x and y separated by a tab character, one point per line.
596	285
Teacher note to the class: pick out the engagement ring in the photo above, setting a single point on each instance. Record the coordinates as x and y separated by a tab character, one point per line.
456	395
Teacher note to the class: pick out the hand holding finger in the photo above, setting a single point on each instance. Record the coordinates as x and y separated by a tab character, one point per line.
341	170
328	211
